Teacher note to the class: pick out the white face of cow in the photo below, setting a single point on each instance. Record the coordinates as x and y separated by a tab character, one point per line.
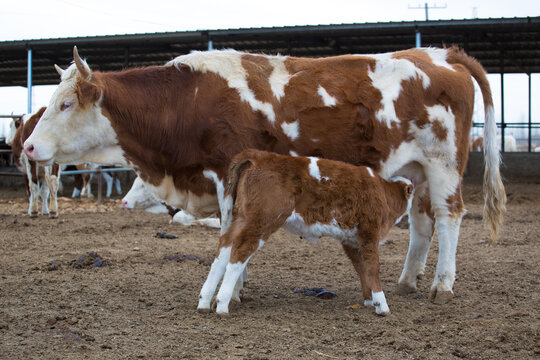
138	197
73	129
12	130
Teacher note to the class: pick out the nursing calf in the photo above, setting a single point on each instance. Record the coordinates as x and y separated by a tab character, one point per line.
309	197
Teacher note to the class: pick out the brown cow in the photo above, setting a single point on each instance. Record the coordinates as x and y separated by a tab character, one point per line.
407	113
309	197
40	180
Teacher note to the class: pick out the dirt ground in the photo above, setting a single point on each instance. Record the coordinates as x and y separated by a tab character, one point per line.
97	284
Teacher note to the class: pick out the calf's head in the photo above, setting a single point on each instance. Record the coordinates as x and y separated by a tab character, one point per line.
404	196
74	129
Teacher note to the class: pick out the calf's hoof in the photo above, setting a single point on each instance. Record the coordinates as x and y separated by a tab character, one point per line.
33	215
440	297
53	215
204	310
405	289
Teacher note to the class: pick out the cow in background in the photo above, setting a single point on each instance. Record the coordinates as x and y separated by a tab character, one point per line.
477	143
138	197
41	180
407	113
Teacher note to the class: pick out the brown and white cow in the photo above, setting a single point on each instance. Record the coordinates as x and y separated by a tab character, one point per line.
310	197
406	113
41	180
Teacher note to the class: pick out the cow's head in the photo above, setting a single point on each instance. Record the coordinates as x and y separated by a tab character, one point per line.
15	123
74	129
138	197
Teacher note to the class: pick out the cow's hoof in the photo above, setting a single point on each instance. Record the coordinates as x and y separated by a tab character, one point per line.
383	312
33	215
440	297
405	289
223	314
204	310
53	215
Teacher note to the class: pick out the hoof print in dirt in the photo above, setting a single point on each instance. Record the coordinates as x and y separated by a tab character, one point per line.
317	292
90	260
53	265
162	235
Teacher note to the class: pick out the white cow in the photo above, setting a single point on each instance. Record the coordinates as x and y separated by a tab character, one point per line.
138	197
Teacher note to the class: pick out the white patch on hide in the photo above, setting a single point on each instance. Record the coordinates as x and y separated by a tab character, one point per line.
438	57
314	168
327	99
387	77
279	77
228	65
291	129
295	224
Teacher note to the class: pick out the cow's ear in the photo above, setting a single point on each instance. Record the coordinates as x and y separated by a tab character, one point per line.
408	191
87	92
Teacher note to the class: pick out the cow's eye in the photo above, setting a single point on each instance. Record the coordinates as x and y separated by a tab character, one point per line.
66	105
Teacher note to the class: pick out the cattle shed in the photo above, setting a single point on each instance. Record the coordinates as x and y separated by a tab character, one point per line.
502	45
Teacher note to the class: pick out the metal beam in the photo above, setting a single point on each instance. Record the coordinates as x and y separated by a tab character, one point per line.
29	81
502	100
530	114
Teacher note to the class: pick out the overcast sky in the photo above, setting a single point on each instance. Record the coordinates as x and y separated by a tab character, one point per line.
38	19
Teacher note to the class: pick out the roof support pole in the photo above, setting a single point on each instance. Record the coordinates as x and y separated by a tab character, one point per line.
530	114
502	103
418	38
29	82
210	45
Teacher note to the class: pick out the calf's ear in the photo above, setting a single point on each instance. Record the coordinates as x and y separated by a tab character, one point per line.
408	191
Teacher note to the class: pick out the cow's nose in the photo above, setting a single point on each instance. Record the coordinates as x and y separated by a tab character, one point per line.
29	151
125	204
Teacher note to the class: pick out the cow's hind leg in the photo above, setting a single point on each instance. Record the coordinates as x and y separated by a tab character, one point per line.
109	180
421	234
448	209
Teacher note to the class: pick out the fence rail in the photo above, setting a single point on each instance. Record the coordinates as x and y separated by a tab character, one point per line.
98	171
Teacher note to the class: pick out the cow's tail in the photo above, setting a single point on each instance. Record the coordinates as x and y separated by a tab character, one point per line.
494	194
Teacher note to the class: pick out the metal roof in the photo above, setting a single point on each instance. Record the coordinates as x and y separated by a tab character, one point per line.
510	45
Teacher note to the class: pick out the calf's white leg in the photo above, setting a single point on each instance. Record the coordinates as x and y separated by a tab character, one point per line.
216	273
